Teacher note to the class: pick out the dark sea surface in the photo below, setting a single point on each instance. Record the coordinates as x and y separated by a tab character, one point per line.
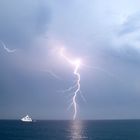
70	130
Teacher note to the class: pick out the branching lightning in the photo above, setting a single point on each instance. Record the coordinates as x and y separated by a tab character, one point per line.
52	74
7	49
76	63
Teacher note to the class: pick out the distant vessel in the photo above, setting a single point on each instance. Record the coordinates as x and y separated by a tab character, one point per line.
26	119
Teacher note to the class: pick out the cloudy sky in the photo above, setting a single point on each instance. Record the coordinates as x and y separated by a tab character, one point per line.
105	35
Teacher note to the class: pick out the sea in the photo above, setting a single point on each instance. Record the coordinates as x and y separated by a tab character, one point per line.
70	130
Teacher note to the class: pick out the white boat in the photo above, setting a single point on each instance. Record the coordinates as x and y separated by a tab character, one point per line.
26	119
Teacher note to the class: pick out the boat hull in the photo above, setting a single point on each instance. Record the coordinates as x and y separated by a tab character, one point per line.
26	119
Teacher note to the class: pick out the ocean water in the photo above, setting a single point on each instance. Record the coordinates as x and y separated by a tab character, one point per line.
70	130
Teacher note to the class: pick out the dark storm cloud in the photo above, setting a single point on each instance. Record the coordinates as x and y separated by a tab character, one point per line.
132	24
22	21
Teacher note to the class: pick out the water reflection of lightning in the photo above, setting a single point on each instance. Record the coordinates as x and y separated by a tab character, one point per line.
76	63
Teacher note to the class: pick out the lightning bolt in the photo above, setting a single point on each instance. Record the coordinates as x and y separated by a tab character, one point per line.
7	49
76	63
52	74
77	90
